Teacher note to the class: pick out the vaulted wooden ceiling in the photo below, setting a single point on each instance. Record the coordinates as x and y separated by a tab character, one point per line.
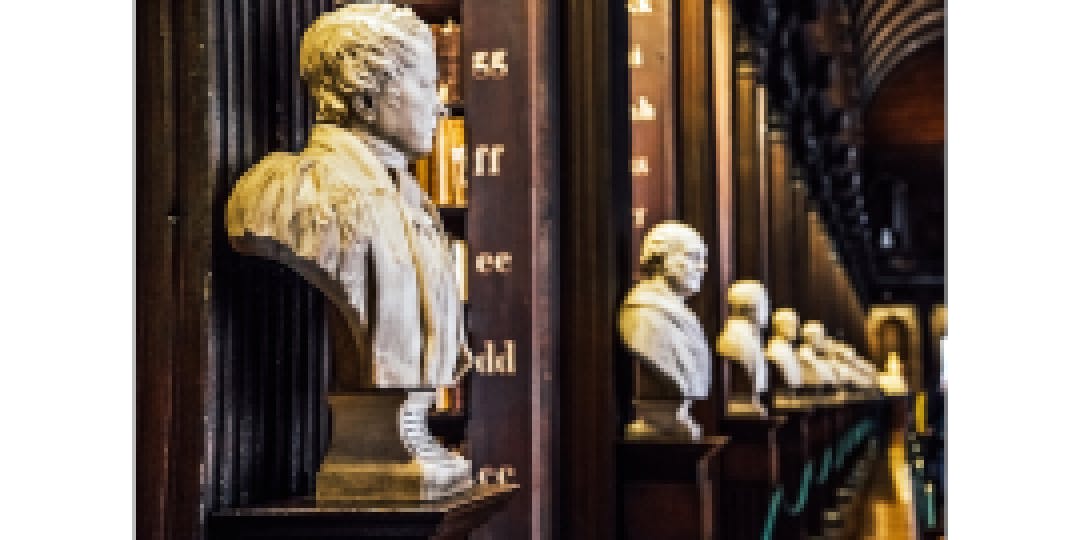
901	50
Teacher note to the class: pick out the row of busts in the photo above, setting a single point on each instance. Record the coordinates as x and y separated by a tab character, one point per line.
815	365
674	362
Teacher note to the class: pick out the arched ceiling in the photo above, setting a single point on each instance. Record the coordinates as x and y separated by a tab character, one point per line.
909	106
904	145
888	31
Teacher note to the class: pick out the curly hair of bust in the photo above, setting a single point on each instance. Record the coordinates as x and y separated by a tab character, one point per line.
665	238
353	51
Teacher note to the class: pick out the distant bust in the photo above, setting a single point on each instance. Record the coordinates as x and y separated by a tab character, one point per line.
867	371
345	212
662	331
785	330
815	368
741	342
835	357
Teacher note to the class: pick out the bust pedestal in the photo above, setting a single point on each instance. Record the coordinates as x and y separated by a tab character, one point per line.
668	488
381	450
750	474
660	410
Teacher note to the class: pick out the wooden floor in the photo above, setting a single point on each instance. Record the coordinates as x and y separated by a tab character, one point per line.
890	513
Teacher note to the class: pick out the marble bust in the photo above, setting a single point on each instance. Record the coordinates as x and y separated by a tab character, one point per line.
780	352
844	375
815	368
741	343
673	360
346	214
866	369
860	377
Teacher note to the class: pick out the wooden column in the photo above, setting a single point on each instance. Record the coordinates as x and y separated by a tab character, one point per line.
815	273
800	247
595	236
513	209
723	243
751	256
782	258
177	160
696	169
654	115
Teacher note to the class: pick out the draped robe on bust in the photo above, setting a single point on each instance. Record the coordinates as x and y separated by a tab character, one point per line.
813	368
740	342
657	325
782	354
336	205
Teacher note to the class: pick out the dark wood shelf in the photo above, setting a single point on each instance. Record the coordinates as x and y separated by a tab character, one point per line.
304	517
435	11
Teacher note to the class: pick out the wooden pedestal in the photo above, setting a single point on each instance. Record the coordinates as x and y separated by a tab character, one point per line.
668	488
750	473
797	461
303	518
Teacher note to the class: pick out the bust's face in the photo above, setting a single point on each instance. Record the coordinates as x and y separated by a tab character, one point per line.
685	268
787	327
407	110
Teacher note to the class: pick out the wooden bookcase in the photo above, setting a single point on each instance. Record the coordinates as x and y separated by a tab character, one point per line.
233	351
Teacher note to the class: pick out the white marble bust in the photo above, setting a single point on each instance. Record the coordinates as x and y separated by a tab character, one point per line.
741	341
866	369
834	355
347	215
861	378
660	329
785	330
815	368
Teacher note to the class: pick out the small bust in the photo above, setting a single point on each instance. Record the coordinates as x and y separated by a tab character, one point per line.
741	343
810	354
665	335
785	330
833	355
859	377
867	371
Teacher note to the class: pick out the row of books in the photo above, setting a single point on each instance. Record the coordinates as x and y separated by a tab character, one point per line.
450	400
443	173
448	55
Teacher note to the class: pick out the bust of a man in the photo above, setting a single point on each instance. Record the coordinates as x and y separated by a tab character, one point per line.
665	336
811	356
780	352
347	215
741	343
844	375
867	371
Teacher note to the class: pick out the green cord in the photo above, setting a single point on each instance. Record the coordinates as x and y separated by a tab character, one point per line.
853	437
804	490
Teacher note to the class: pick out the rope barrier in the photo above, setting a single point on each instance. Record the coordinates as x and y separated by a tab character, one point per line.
855	435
